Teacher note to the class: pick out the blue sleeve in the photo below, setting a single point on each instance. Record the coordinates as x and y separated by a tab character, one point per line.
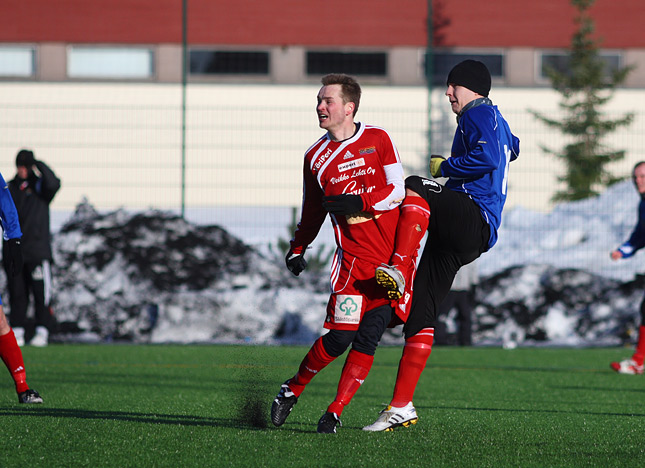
477	131
516	148
8	213
637	240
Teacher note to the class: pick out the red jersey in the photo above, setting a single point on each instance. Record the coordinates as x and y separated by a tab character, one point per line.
367	164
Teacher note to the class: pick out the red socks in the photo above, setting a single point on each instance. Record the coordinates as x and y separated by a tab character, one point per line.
12	357
315	361
355	371
413	224
639	354
416	351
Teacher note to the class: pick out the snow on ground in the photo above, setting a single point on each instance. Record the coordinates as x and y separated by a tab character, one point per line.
217	276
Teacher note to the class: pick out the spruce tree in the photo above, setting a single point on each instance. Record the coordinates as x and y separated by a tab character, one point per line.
585	87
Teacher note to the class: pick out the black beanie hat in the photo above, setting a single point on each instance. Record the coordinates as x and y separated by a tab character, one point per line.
25	158
471	74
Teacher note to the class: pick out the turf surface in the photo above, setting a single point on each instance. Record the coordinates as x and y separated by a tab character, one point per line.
137	405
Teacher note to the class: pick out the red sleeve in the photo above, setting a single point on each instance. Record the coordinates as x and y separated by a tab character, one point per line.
313	214
390	195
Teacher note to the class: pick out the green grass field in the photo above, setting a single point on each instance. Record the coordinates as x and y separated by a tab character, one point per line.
129	405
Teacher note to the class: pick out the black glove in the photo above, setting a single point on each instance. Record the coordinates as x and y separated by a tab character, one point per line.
343	204
14	256
296	263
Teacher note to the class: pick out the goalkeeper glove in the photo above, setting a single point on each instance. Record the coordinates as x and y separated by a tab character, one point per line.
435	165
343	204
14	254
296	262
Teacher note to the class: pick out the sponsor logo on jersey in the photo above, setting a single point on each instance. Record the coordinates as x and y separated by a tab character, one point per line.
351	165
321	159
348	155
352	189
367	171
348	308
368	150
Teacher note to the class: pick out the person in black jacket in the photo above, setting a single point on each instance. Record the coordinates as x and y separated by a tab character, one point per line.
32	189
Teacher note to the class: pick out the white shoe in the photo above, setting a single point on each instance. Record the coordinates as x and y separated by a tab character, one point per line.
19	333
627	366
41	338
392	417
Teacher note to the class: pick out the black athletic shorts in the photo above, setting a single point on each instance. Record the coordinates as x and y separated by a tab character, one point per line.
457	235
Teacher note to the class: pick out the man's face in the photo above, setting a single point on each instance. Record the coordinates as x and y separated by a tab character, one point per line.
331	110
22	171
459	97
639	178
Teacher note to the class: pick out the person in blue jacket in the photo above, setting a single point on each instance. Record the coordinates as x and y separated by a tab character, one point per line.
635	364
10	352
461	217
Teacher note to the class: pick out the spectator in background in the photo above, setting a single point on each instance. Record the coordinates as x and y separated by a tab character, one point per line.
33	188
461	298
636	241
12	258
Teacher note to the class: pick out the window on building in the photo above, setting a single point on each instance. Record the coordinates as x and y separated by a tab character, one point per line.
17	62
110	62
560	62
443	62
228	62
352	63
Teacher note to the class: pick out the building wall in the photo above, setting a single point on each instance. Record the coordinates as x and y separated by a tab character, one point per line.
368	23
120	144
287	29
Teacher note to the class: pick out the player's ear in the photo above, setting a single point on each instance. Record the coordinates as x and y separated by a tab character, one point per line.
349	108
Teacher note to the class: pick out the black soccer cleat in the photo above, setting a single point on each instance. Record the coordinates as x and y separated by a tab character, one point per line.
30	397
328	423
282	405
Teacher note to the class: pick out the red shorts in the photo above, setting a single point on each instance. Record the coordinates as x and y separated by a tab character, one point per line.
354	290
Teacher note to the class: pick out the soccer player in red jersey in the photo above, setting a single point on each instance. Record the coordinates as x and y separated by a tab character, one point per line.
353	173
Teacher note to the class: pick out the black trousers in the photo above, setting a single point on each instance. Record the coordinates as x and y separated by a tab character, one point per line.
365	339
31	282
457	235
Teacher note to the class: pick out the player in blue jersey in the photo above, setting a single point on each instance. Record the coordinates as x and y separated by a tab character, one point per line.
10	352
635	364
461	218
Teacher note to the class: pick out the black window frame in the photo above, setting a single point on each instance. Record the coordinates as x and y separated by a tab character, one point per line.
443	62
215	62
355	63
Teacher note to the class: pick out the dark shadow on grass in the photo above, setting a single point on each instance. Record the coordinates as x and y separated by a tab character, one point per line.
519	410
151	418
517	368
145	418
601	389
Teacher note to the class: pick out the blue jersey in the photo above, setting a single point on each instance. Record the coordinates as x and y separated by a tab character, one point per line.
482	149
8	213
637	240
